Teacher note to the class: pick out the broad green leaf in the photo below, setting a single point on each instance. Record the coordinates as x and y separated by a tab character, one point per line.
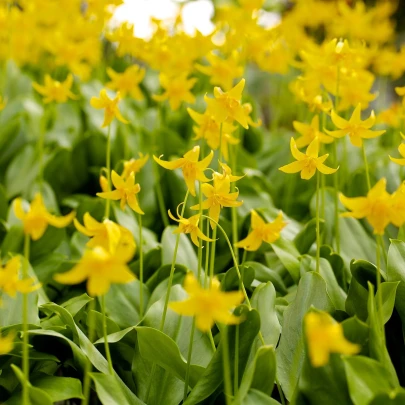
265	274
396	397
255	397
307	236
288	255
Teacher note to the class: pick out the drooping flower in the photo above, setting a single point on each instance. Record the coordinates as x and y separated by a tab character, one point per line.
110	107
37	219
355	127
127	82
125	190
227	105
7	343
309	132
53	90
325	336
10	282
262	232
134	165
192	168
375	207
208	305
190	226
101	269
307	163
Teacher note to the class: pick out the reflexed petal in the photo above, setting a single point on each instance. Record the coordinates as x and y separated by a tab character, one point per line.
325	169
356	141
97	103
355	119
379	189
236	92
313	148
256	220
97	285
76	275
18	209
401	149
368	134
214	214
121	274
337	134
117	180
110	195
295	152
398	161
133	203
183	307
36	231
338	121
174	164
251	243
308	172
60	222
369	122
293	167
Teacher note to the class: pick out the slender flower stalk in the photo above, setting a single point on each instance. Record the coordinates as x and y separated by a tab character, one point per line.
108	164
226	369
106	345
318	235
89	365
140	266
26	365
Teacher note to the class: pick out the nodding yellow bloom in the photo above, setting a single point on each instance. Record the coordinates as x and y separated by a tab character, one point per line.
52	90
6	343
107	234
37	219
355	127
310	132
208	305
401	150
227	171
192	168
307	163
376	207
222	72
190	226
125	190
110	107
247	108
227	105
103	183
134	165
218	196
10	282
398	206
100	268
400	91
3	103
127	83
262	232
177	90
325	336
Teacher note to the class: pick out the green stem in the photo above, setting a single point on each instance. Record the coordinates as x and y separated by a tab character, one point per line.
226	368
379	292
173	266
106	345
89	366
318	234
140	266
159	195
41	147
108	164
336	198
220	146
190	352
207	255
366	166
244	256
212	261
25	365
200	225
234	213
236	362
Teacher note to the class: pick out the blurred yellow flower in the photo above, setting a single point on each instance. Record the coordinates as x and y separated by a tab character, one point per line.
401	150
110	106
37	219
53	90
310	132
3	103
6	343
307	163
134	165
208	305
127	83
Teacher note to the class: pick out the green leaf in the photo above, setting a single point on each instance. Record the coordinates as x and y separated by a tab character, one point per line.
396	397
230	281
307	236
288	255
255	397
265	274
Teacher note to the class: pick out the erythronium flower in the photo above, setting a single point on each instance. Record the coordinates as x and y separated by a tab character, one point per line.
125	190
208	305
10	282
100	268
6	343
110	107
127	83
227	105
398	206
355	127
37	219
107	234
309	132
192	168
177	90
262	232
190	226
53	90
247	108
325	336
134	165
376	207
401	150
218	196
307	163
227	171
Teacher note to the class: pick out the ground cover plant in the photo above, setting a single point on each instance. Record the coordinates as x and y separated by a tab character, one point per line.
202	219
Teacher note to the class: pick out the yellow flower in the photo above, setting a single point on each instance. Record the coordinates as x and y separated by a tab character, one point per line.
218	196
52	90
37	219
3	103
107	234
355	127
127	82
222	72
376	207
262	232
310	132
192	168
227	171
110	106
247	109
125	190
6	343
324	336
307	163
400	91
398	206
10	282
208	305
134	165
100	268
251	5
227	105
401	150
190	225
177	90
